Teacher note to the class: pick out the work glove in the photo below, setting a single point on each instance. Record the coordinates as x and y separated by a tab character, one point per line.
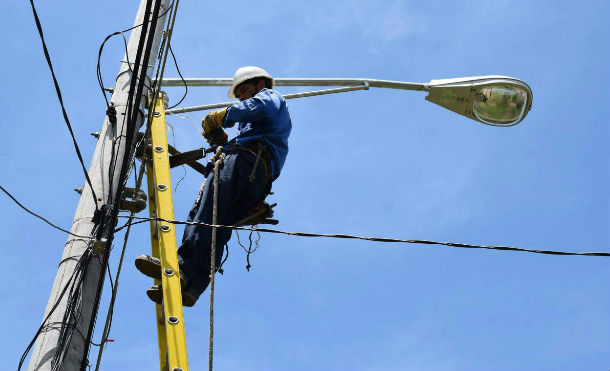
212	127
215	136
214	119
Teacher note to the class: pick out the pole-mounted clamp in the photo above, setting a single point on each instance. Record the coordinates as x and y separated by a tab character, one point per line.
100	218
137	202
111	113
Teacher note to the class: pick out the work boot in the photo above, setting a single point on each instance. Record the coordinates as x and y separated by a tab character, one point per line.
155	293
151	267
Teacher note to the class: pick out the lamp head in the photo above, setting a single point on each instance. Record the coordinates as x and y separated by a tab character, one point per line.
491	100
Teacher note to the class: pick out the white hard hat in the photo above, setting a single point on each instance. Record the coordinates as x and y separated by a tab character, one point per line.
246	73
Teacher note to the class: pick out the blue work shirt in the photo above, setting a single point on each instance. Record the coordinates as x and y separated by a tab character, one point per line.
263	117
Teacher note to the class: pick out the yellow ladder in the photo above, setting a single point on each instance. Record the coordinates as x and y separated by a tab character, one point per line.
170	316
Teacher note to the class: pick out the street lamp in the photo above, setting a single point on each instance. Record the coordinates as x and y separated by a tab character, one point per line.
491	100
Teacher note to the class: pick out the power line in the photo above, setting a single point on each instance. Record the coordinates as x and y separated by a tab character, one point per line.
110	110
61	101
38	216
186	88
99	56
75	279
374	239
110	313
100	79
136	88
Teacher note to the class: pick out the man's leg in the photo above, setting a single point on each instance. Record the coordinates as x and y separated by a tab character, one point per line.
236	195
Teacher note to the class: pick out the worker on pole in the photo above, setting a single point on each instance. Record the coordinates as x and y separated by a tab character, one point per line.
254	159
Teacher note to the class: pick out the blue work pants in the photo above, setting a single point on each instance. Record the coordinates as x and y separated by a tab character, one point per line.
236	195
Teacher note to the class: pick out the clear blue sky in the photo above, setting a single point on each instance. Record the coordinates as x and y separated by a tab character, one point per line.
378	162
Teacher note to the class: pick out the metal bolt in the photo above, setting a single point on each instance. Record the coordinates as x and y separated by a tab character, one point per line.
168	272
96	134
158	149
157	114
173	320
79	190
161	187
165	228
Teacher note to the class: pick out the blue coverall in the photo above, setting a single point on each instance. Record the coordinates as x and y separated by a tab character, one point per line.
263	117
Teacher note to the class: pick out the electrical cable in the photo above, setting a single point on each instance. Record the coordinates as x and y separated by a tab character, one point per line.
40	217
171	127
122	33
73	314
130	100
132	95
138	181
160	68
61	101
374	239
109	315
131	126
100	80
162	60
186	87
143	53
83	260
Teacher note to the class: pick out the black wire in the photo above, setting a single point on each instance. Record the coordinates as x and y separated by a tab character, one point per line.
135	94
38	216
99	57
72	317
99	71
101	85
73	314
182	166
127	224
61	101
222	263
375	239
131	223
99	68
110	277
186	88
110	314
248	265
83	260
160	15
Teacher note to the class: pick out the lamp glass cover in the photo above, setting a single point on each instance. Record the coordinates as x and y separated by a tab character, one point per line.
500	104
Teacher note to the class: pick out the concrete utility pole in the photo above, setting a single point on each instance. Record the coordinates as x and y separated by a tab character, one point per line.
47	342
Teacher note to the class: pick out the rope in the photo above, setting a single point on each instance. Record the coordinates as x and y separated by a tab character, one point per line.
219	157
378	239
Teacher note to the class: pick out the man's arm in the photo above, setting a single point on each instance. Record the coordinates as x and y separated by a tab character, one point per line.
253	109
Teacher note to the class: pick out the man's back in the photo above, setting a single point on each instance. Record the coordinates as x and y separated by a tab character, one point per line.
263	117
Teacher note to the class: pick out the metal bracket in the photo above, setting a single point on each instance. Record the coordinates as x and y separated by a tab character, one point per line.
363	86
99	246
137	202
259	214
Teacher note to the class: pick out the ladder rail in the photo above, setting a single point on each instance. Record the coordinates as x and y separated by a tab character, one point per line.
170	315
154	239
